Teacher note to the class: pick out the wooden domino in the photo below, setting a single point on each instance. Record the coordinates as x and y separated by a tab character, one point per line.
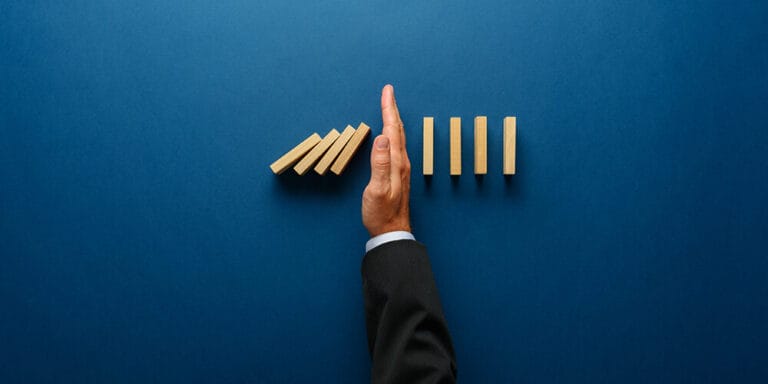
350	149
481	145
292	156
326	161
510	131
455	146
429	146
303	166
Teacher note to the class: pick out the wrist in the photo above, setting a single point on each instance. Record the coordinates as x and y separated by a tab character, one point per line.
394	227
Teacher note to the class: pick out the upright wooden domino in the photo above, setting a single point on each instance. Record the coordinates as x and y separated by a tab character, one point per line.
510	131
455	146
303	166
325	163
292	156
429	146
481	145
350	149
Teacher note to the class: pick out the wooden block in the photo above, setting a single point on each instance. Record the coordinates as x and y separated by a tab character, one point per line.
429	146
481	145
350	149
303	166
510	131
326	161
292	156
455	146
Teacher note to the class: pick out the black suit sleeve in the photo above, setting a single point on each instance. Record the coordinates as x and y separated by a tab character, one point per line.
407	333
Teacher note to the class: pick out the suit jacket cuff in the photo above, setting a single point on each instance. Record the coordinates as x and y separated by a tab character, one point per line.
386	238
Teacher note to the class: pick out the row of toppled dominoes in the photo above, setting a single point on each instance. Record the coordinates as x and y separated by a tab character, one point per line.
481	145
334	151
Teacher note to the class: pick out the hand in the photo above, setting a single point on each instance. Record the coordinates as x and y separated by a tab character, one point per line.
385	199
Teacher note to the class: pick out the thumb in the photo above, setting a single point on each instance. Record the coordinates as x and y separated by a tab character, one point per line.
381	163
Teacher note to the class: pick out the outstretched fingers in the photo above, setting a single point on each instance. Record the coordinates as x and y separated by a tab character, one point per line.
393	129
390	116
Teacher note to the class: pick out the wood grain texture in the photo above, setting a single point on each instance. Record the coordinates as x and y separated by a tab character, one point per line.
510	133
481	145
292	156
455	146
429	146
350	149
306	163
327	159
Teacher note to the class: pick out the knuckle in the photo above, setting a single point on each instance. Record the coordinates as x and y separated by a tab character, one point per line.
381	161
375	191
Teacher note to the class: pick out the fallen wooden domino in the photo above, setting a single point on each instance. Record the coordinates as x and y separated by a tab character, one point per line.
292	156
350	149
309	160
325	163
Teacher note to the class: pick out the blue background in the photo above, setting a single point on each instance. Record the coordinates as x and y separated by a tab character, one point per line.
144	239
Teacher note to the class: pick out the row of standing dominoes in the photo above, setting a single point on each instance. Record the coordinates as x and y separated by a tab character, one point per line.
334	151
481	145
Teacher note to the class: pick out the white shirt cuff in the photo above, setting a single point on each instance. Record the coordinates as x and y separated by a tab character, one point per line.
386	238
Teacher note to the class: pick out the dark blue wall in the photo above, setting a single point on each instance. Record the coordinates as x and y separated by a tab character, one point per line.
144	239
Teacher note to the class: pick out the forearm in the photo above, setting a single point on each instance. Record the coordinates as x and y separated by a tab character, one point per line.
407	333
